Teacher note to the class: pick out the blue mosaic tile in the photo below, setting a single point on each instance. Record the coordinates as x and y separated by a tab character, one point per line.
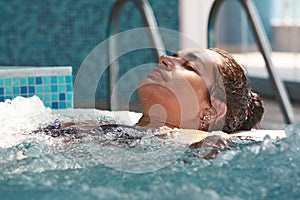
2	98
31	89
23	89
54	105
38	80
45	87
1	82
62	96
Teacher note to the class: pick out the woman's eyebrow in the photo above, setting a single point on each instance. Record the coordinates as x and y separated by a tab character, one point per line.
191	57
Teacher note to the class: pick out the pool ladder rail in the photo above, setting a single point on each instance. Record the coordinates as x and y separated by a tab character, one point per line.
150	21
157	42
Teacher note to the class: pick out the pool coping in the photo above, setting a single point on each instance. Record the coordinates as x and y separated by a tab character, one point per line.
21	71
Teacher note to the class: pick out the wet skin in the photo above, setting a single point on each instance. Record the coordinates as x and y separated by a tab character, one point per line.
176	92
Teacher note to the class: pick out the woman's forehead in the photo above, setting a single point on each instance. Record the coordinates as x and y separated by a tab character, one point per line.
193	51
202	55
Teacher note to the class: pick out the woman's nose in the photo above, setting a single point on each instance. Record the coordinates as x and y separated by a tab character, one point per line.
168	61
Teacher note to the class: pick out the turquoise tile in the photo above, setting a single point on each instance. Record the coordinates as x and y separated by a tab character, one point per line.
47	80
39	89
69	104
62	104
47	104
61	88
40	95
7	81
61	79
16	81
47	88
53	79
54	88
23	81
54	97
69	96
1	82
31	80
47	97
69	79
9	97
8	90
16	90
69	87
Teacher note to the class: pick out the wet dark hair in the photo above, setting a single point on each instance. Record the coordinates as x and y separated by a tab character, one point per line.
244	107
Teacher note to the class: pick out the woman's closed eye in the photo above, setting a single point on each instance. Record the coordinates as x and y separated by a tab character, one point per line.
189	67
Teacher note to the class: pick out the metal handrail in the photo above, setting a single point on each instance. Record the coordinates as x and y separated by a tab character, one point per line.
149	20
265	49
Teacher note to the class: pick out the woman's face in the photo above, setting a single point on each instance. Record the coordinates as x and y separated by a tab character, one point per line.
176	93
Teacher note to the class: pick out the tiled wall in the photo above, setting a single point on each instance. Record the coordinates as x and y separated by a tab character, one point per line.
53	85
62	33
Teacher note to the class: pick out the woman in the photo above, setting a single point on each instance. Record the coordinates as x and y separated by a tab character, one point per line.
203	90
199	89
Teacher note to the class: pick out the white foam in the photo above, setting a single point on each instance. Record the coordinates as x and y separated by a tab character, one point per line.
21	116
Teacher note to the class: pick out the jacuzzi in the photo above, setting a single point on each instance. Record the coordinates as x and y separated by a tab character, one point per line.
38	166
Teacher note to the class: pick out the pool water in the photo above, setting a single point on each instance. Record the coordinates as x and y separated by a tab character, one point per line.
44	167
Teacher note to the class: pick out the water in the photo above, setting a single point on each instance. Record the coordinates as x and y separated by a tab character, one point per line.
84	169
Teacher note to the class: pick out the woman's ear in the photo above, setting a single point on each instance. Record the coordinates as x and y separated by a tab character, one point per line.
220	108
218	111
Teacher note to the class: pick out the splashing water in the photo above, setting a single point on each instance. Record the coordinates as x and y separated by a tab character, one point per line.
84	168
19	117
